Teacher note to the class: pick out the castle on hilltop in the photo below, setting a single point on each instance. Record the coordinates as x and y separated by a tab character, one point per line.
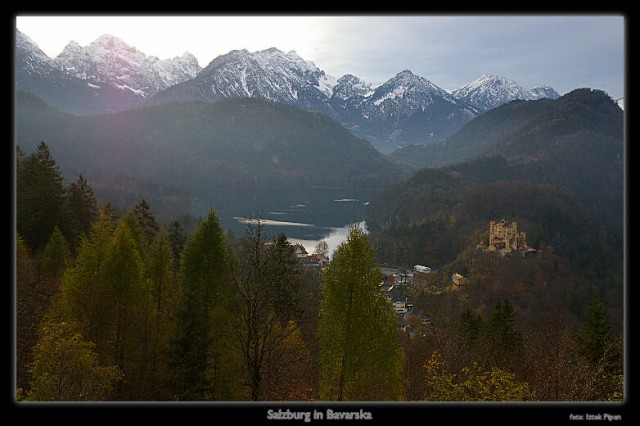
506	240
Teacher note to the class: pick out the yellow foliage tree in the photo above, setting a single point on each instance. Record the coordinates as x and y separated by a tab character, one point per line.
66	367
472	383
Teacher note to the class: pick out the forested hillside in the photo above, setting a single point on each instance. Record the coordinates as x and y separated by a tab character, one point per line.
179	154
557	169
575	141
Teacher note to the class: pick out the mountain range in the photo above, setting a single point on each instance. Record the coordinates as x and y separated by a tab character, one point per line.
108	75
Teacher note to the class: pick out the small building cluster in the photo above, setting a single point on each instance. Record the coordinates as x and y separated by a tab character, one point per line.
310	260
394	284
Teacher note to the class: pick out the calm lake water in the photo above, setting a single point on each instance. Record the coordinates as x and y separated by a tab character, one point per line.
306	215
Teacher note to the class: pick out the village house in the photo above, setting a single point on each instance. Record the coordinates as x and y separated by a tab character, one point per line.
314	260
300	250
458	280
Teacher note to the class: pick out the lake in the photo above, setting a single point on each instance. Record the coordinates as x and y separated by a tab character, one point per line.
305	215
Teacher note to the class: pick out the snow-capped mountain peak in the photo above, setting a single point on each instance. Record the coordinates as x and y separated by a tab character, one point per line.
545	92
405	94
349	86
109	60
271	74
31	57
491	90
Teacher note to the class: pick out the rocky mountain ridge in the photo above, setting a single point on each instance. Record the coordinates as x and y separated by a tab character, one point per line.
108	75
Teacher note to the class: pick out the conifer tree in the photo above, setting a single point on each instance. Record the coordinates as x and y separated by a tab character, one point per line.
56	256
147	220
603	351
470	327
39	197
360	358
501	339
178	238
124	279
202	355
159	322
596	333
85	295
81	211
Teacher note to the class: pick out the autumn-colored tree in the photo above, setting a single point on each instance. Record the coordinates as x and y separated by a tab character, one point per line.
29	307
288	375
269	275
56	256
66	367
84	295
361	358
473	383
34	294
124	282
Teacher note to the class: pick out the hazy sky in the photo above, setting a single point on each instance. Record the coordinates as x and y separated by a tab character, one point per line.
566	52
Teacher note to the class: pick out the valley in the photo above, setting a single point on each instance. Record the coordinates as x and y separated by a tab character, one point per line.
472	235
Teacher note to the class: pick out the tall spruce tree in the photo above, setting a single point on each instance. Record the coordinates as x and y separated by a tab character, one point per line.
202	356
603	351
178	239
360	358
501	341
39	197
81	211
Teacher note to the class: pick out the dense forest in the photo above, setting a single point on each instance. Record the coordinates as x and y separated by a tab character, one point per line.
187	157
116	305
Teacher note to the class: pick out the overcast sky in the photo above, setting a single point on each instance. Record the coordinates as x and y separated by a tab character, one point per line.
566	52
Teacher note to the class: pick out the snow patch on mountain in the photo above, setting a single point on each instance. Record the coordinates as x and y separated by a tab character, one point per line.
491	91
403	95
110	60
31	58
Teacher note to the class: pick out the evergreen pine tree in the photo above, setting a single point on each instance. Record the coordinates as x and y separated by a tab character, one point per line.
39	197
81	211
597	332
